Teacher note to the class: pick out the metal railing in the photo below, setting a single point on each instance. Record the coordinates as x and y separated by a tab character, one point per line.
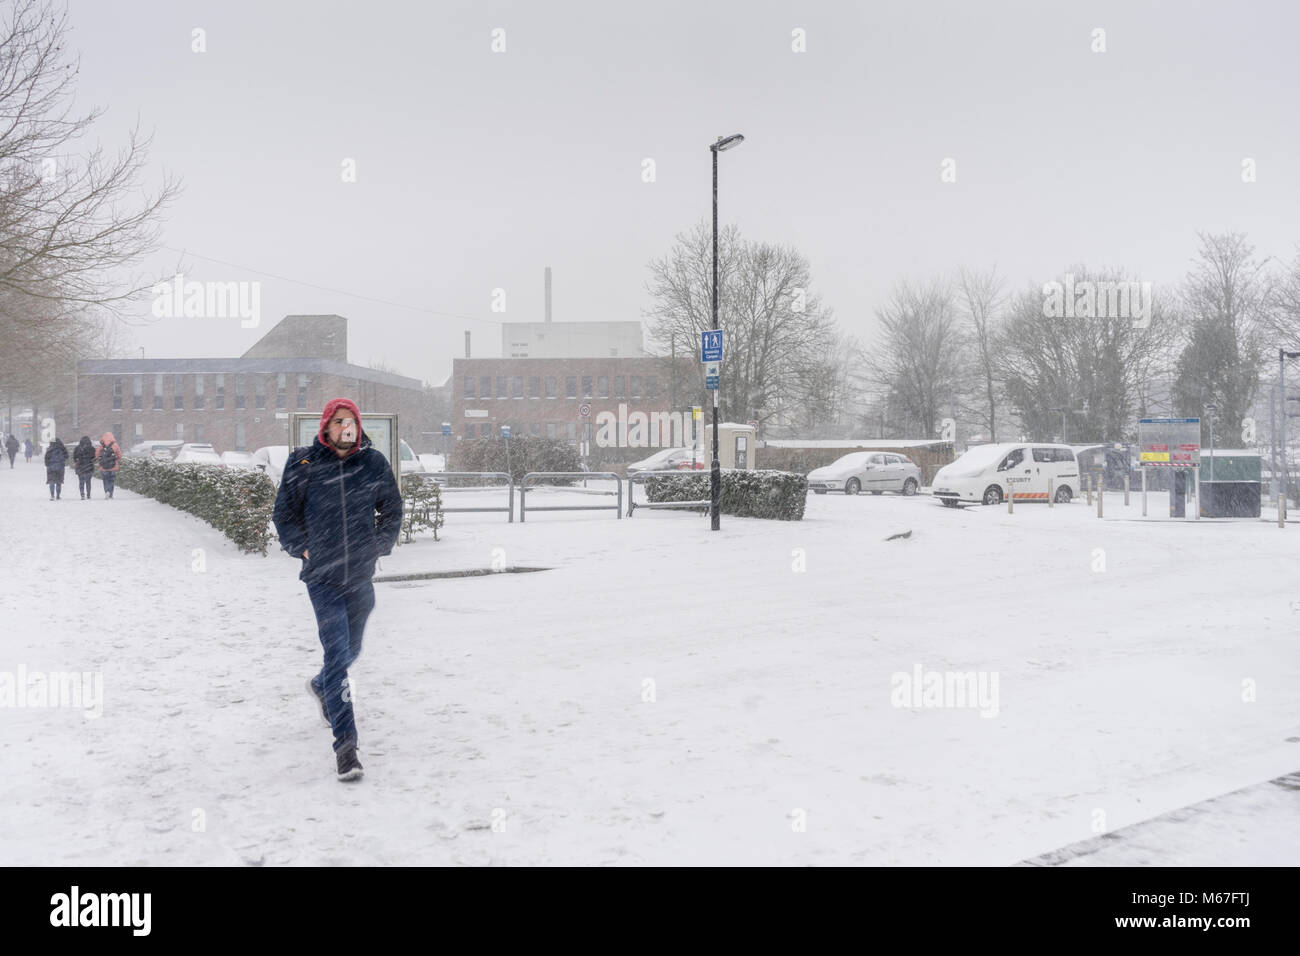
618	489
678	505
437	477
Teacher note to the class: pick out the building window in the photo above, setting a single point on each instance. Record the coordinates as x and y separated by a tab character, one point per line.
198	432
139	431
180	432
240	437
179	397
634	386
302	391
570	386
535	429
586	386
550	386
220	400
485	386
534	386
469	430
259	392
620	386
239	391
652	386
117	393
485	430
279	390
517	386
502	391
136	387
198	392
469	386
550	429
571	431
118	433
157	392
602	386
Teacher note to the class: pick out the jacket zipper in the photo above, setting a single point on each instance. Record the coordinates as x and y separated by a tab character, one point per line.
343	500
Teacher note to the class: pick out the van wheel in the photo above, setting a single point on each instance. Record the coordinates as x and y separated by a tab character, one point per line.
1063	495
909	487
993	495
852	487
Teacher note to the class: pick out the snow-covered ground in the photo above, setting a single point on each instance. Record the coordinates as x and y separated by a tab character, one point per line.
1141	666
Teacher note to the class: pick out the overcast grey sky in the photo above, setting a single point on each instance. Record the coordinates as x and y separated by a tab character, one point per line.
475	169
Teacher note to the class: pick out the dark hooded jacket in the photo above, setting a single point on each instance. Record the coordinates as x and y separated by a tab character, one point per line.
56	460
346	512
83	456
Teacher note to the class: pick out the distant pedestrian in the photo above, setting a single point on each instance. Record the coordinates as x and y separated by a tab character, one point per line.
27	448
109	456
11	446
56	460
83	456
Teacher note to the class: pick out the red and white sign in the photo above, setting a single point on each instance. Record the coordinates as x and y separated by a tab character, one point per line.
584	410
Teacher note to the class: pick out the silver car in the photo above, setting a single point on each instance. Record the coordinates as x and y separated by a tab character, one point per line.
873	471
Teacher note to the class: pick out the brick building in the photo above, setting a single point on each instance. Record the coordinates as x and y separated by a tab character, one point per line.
628	398
239	404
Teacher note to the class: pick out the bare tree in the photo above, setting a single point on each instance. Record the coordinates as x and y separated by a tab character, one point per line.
918	361
70	226
772	321
1226	302
979	296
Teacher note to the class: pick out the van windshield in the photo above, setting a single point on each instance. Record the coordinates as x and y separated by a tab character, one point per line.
980	457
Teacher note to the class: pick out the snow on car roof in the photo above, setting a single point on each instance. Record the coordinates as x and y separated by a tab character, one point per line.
850	443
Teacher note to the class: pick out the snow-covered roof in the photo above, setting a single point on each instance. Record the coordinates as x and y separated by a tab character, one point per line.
851	443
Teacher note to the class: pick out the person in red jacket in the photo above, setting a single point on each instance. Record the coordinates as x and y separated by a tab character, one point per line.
339	509
108	456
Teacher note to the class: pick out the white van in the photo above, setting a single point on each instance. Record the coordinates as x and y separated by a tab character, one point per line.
987	474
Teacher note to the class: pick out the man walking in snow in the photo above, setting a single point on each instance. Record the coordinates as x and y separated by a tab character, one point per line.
325	514
11	446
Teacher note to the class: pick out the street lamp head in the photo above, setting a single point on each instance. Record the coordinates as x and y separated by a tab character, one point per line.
722	145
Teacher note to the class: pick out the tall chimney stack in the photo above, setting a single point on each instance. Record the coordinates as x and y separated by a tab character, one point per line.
467	343
548	293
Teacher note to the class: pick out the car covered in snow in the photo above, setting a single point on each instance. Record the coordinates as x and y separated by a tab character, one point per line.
238	459
671	459
271	460
198	453
873	471
988	474
157	449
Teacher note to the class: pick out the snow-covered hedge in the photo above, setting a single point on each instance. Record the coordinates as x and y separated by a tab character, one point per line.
237	502
746	494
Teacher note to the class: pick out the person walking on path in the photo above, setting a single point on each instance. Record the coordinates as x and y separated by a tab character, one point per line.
83	456
56	460
325	514
11	446
109	456
27	448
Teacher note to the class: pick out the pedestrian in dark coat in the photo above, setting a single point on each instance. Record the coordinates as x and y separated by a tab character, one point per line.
83	456
27	448
11	446
339	509
56	460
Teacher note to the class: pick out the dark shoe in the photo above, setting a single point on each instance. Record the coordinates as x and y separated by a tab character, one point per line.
349	765
324	715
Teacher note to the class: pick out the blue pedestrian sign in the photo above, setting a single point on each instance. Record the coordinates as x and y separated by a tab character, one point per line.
446	428
711	346
505	431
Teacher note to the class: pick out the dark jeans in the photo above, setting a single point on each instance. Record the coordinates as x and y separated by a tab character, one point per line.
83	483
109	477
340	618
11	458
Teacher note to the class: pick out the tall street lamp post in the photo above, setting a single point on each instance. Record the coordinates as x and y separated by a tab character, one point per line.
715	474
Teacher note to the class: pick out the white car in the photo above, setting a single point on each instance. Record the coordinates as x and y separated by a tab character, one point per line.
873	471
671	459
410	462
238	459
198	453
271	459
987	474
162	450
432	462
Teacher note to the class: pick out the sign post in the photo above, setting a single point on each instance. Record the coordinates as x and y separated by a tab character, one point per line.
711	356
